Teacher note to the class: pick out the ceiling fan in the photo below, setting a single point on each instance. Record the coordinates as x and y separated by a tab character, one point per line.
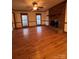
36	7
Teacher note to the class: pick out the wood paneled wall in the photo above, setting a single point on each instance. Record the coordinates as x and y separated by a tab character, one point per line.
31	18
58	12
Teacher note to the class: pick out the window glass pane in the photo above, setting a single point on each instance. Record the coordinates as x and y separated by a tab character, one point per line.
24	17
38	19
24	20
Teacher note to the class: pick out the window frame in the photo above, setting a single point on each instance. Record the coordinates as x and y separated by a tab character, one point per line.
40	19
22	21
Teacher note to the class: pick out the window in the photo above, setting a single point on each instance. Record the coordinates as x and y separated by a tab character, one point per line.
24	20
38	18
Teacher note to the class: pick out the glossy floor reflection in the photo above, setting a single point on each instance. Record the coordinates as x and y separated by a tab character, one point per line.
39	29
38	43
25	31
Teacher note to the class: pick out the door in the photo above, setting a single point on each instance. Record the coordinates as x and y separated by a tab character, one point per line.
38	19
24	18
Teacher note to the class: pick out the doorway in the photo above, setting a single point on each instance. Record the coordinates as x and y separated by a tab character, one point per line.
24	18
38	19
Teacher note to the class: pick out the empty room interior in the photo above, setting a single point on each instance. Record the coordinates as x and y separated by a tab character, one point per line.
39	29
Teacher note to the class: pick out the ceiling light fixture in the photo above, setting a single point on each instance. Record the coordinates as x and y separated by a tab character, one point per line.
35	6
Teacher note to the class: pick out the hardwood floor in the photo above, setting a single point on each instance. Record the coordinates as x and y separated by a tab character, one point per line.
38	43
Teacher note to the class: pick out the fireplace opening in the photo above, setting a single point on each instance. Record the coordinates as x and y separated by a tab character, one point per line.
55	23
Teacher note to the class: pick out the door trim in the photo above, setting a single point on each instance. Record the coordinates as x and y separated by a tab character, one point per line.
13	15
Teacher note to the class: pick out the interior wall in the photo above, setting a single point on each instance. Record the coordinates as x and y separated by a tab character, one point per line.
58	12
31	18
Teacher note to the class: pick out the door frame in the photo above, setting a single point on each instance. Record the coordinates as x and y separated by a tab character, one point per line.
40	20
27	20
13	15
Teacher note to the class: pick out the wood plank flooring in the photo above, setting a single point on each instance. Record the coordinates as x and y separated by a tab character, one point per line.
38	43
